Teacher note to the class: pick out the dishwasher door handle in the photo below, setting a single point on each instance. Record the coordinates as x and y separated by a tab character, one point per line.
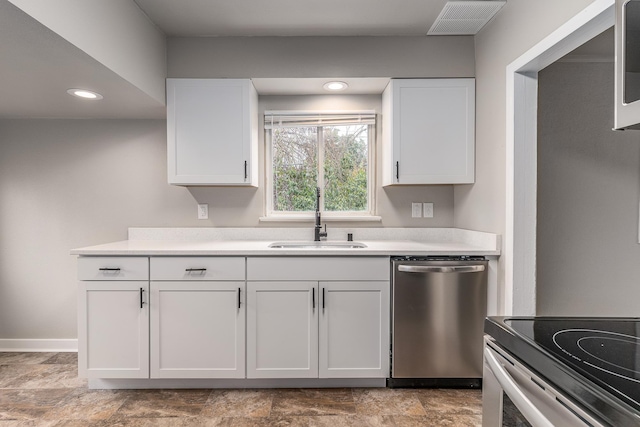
441	268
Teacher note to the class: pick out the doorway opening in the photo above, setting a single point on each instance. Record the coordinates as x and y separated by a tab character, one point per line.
521	147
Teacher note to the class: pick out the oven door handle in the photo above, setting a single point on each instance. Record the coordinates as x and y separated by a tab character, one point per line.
528	409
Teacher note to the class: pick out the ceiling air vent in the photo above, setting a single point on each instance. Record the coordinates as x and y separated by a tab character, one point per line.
460	18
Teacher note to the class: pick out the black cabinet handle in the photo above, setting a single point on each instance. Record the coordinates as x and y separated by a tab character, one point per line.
245	170
323	298
109	269
239	298
313	298
398	171
201	270
141	297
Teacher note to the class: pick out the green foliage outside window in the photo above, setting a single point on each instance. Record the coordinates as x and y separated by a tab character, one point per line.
345	169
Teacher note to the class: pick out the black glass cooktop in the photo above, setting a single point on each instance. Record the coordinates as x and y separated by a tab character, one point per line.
595	361
607	351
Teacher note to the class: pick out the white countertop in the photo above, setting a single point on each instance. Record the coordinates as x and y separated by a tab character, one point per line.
451	243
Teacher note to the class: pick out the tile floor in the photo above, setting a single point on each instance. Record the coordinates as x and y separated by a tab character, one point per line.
42	389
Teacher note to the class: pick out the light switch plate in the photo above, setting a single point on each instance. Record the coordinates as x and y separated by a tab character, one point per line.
203	211
416	210
427	210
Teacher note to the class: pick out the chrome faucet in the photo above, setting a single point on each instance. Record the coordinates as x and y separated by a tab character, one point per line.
319	235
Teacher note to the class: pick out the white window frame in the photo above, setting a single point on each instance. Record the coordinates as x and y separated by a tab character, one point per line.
368	215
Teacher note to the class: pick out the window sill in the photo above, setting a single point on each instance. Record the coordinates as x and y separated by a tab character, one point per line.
306	218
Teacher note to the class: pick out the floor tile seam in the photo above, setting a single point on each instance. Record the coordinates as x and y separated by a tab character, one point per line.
120	417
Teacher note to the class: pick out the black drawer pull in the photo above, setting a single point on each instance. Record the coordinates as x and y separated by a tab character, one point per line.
109	269
200	270
239	298
313	298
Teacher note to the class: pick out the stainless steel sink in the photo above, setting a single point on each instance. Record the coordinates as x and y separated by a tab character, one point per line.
317	245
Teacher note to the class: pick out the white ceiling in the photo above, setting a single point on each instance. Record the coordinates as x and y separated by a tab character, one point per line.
293	17
37	67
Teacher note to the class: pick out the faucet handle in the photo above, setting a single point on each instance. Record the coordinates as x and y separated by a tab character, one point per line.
323	234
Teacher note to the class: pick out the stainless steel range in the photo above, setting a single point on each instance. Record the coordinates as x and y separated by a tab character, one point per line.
546	371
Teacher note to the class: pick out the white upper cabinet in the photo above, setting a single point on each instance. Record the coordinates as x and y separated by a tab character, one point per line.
212	132
428	131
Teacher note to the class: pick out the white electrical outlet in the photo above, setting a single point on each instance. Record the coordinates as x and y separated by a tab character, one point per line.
203	211
427	210
416	210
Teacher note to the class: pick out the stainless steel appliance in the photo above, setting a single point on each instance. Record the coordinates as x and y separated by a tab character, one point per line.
627	65
438	308
572	372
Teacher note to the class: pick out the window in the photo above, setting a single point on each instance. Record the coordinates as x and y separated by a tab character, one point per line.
332	151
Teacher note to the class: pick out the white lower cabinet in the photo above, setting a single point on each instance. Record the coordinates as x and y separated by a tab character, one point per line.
197	312
317	328
197	329
282	330
113	329
233	317
354	330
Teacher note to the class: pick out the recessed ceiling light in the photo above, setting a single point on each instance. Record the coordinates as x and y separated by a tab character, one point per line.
83	93
335	86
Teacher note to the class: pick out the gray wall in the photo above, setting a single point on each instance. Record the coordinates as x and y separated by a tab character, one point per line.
588	189
518	27
70	183
246	57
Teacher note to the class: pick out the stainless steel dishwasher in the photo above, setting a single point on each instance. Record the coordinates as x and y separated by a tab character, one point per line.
438	309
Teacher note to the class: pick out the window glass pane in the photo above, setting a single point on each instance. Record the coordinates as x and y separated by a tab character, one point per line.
345	168
295	167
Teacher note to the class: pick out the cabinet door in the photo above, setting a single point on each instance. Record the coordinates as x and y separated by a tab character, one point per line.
197	329
431	130
354	329
282	330
113	329
211	132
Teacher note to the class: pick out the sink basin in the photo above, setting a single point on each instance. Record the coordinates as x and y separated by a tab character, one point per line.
317	245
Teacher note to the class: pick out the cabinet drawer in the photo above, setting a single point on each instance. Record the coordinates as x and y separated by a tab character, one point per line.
318	268
197	268
113	268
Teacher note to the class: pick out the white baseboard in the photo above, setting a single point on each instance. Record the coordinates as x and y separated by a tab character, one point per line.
42	345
